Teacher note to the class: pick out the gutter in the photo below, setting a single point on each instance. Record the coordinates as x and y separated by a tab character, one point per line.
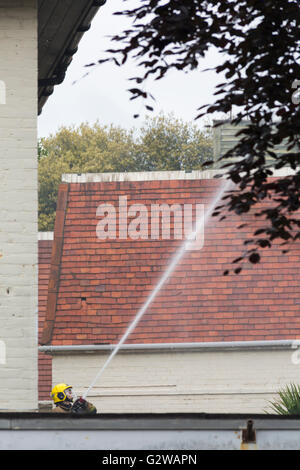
168	347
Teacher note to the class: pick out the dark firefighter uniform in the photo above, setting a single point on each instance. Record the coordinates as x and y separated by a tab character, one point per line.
63	397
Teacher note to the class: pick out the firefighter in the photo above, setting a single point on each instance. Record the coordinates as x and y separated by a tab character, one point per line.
65	401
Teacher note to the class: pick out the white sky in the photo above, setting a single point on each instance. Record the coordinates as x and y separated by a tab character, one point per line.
102	94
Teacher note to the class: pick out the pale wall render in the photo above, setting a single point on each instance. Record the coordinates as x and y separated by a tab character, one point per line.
18	204
177	380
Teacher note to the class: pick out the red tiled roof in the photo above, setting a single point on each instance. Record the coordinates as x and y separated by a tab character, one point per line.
98	286
44	360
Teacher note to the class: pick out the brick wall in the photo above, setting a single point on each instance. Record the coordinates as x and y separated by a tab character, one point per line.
44	360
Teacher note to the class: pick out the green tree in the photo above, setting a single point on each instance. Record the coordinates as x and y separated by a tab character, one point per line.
163	143
167	143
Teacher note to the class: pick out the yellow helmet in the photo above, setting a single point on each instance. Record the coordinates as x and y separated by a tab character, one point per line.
58	392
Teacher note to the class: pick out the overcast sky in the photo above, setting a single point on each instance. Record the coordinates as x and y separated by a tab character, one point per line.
102	94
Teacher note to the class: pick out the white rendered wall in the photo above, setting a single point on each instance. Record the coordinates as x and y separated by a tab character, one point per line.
166	382
18	204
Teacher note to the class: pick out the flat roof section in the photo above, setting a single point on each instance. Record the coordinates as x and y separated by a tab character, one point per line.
46	431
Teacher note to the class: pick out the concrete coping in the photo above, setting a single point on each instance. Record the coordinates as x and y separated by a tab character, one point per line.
45	235
155	176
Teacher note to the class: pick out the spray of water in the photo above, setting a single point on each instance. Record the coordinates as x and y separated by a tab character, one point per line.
177	257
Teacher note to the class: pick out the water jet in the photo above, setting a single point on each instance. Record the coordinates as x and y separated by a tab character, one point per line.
166	275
